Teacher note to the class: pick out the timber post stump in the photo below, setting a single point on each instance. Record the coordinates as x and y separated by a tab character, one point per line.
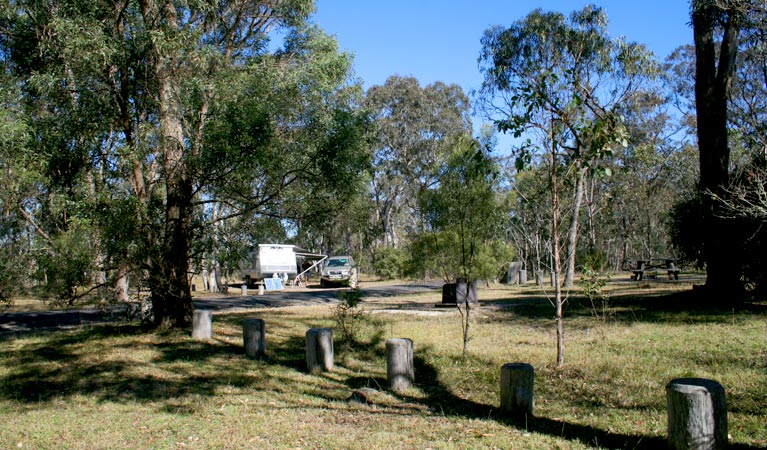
254	337
517	382
399	364
697	414
319	349
202	324
522	277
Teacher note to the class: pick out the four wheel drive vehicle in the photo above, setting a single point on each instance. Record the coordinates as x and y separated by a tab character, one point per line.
339	270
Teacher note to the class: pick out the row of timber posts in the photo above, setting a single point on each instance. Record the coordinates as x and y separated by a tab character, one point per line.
319	348
696	407
517	274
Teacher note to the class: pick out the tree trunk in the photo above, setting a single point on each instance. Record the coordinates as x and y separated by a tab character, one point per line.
172	304
169	281
464	307
171	295
712	82
213	285
572	235
121	285
556	256
592	210
205	285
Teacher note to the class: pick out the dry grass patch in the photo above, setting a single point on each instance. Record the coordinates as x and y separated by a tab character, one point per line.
123	387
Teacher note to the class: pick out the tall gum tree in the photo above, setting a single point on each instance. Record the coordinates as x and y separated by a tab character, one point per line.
414	127
156	74
716	28
465	217
559	82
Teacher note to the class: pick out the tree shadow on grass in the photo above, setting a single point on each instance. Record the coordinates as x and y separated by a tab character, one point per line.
58	367
682	307
440	399
54	368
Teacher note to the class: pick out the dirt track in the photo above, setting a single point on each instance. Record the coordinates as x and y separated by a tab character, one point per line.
22	322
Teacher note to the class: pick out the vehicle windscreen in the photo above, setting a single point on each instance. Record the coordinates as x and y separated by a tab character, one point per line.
338	262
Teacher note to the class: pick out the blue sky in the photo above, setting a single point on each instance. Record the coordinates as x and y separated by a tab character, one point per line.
436	40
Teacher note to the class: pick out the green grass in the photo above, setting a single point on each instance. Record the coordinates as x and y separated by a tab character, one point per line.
123	387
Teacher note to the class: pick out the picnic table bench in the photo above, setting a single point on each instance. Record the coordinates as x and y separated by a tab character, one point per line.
650	267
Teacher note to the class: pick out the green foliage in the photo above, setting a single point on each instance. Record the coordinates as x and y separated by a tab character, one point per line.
593	260
66	267
593	289
348	315
171	138
547	66
440	253
414	128
300	145
685	230
742	210
435	253
15	262
491	259
747	253
390	262
465	215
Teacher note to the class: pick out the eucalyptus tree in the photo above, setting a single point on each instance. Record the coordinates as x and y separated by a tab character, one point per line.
307	142
132	101
16	168
730	41
714	72
748	97
414	127
465	218
559	82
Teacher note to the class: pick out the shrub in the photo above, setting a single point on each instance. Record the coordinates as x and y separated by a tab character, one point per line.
66	266
593	286
348	315
13	271
390	262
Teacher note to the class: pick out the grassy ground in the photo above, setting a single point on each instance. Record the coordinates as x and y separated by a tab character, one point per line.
122	387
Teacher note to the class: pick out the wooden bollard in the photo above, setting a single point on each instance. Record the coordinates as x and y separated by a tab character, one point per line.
697	414
399	364
319	349
517	381
202	324
254	337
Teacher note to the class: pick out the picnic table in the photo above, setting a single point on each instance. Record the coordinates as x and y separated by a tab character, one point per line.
650	267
